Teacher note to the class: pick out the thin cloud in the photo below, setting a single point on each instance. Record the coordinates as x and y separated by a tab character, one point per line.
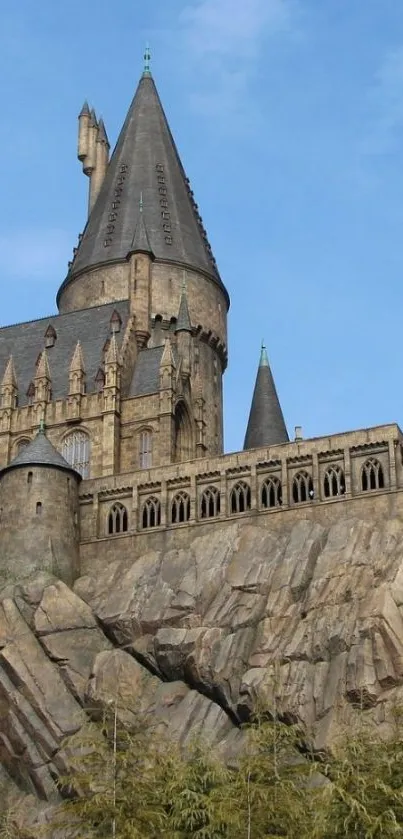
223	41
223	28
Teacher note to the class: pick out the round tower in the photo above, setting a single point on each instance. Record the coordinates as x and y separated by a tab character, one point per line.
39	509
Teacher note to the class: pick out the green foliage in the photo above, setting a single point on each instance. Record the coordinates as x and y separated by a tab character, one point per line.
364	798
197	797
131	783
271	786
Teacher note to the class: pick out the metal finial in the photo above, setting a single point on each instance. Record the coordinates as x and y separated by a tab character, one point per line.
263	345
184	283
147	59
141	202
42	426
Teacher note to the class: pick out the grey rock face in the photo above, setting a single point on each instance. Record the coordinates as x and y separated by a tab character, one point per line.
307	620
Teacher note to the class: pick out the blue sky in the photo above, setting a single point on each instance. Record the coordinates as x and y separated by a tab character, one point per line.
288	115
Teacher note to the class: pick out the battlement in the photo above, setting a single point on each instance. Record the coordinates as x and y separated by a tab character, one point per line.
303	473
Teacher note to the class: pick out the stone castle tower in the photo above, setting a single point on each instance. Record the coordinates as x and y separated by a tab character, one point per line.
127	380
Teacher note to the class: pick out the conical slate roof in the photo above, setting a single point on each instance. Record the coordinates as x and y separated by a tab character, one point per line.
145	166
39	452
266	426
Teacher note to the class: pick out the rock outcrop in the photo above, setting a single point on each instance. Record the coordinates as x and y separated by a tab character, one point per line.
308	621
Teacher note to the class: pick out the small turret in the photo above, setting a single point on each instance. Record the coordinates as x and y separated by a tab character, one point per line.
42	380
39	513
101	163
266	426
77	371
9	388
113	364
141	258
183	332
84	119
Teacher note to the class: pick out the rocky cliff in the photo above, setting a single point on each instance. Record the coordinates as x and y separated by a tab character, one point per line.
308	619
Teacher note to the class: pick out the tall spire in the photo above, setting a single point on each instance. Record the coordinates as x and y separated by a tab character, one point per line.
145	161
266	426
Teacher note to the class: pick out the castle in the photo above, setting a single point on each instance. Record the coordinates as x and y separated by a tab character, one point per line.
111	417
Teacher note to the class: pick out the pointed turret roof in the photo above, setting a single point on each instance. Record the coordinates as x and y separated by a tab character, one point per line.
43	369
9	377
102	135
145	161
77	361
266	426
85	110
141	241
39	452
113	354
167	358
183	323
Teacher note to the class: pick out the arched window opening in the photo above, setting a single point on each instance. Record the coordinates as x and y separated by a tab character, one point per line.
29	478
76	450
146	452
39	508
271	493
334	482
183	449
372	475
180	508
210	503
240	498
22	444
302	488
151	513
117	519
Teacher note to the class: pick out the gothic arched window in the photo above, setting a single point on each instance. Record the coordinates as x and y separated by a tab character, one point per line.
372	475
151	513
334	482
146	449
76	450
183	442
302	487
210	503
240	498
118	520
271	494
180	508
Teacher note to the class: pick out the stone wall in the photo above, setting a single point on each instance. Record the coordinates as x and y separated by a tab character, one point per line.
257	486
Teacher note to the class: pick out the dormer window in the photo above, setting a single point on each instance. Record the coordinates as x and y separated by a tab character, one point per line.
115	322
50	336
